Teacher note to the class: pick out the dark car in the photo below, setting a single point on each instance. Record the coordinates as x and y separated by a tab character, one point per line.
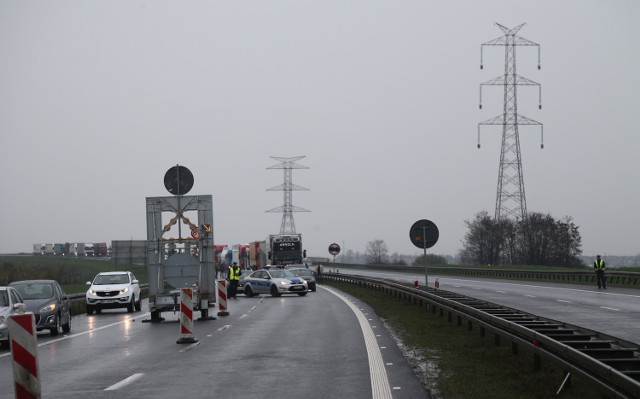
48	302
307	275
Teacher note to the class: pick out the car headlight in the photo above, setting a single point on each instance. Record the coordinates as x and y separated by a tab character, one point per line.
92	292
49	308
285	282
124	290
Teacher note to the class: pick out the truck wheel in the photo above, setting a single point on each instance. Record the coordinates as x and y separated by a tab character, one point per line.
131	305
274	291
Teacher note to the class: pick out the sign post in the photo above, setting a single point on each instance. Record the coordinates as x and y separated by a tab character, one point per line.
334	249
424	234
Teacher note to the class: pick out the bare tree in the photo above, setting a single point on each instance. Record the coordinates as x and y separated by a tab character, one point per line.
377	252
538	240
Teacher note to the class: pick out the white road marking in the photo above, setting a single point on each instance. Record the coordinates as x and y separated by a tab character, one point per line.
125	382
188	348
502	292
225	327
604	307
562	300
65	337
530	296
379	381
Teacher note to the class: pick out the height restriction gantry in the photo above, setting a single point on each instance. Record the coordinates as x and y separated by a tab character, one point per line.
510	196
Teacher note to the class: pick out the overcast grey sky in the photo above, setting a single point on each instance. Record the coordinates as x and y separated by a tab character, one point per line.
99	98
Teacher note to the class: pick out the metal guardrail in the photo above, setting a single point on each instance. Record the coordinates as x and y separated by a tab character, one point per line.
614	278
610	364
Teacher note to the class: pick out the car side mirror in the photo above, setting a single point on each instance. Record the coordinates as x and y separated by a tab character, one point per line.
89	283
135	282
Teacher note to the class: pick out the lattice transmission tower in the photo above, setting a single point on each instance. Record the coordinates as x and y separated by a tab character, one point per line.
510	197
288	226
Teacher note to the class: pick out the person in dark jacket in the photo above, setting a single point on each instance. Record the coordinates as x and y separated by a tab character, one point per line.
598	266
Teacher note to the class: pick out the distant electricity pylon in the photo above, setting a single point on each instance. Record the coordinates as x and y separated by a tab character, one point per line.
288	226
510	197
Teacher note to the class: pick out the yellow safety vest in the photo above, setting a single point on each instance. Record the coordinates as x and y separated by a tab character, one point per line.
234	273
598	265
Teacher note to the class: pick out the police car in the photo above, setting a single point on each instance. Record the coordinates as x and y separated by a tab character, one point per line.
275	282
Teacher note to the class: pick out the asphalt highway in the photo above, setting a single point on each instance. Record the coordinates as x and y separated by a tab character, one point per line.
325	344
614	311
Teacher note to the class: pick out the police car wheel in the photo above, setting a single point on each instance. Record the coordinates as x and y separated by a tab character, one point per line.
248	292
274	291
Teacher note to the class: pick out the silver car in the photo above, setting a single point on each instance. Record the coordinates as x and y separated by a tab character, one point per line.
9	298
275	282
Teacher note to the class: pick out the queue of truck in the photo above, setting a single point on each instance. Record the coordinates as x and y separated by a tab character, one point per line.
72	249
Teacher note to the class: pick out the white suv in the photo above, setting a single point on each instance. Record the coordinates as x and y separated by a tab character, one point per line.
111	290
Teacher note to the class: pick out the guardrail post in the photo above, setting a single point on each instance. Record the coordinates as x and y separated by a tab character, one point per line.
536	362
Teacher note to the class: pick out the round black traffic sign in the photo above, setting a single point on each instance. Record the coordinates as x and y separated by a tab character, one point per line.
424	233
334	249
178	180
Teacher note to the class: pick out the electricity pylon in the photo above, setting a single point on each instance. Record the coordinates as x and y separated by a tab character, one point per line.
288	226
510	197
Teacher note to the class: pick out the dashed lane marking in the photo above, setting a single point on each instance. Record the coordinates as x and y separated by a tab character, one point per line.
125	382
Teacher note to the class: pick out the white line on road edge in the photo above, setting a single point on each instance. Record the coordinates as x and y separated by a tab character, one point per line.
125	382
379	381
604	307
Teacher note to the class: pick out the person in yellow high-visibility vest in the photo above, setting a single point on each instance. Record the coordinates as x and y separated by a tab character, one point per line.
598	266
234	278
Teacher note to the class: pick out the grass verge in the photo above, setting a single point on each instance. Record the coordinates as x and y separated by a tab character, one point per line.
455	363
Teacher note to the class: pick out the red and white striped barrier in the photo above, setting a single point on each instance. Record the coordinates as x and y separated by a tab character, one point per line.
186	317
22	333
222	297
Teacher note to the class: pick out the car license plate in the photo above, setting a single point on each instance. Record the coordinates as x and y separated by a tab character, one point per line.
107	301
297	287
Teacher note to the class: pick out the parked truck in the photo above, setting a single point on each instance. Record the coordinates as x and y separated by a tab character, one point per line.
286	249
101	249
38	249
258	254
